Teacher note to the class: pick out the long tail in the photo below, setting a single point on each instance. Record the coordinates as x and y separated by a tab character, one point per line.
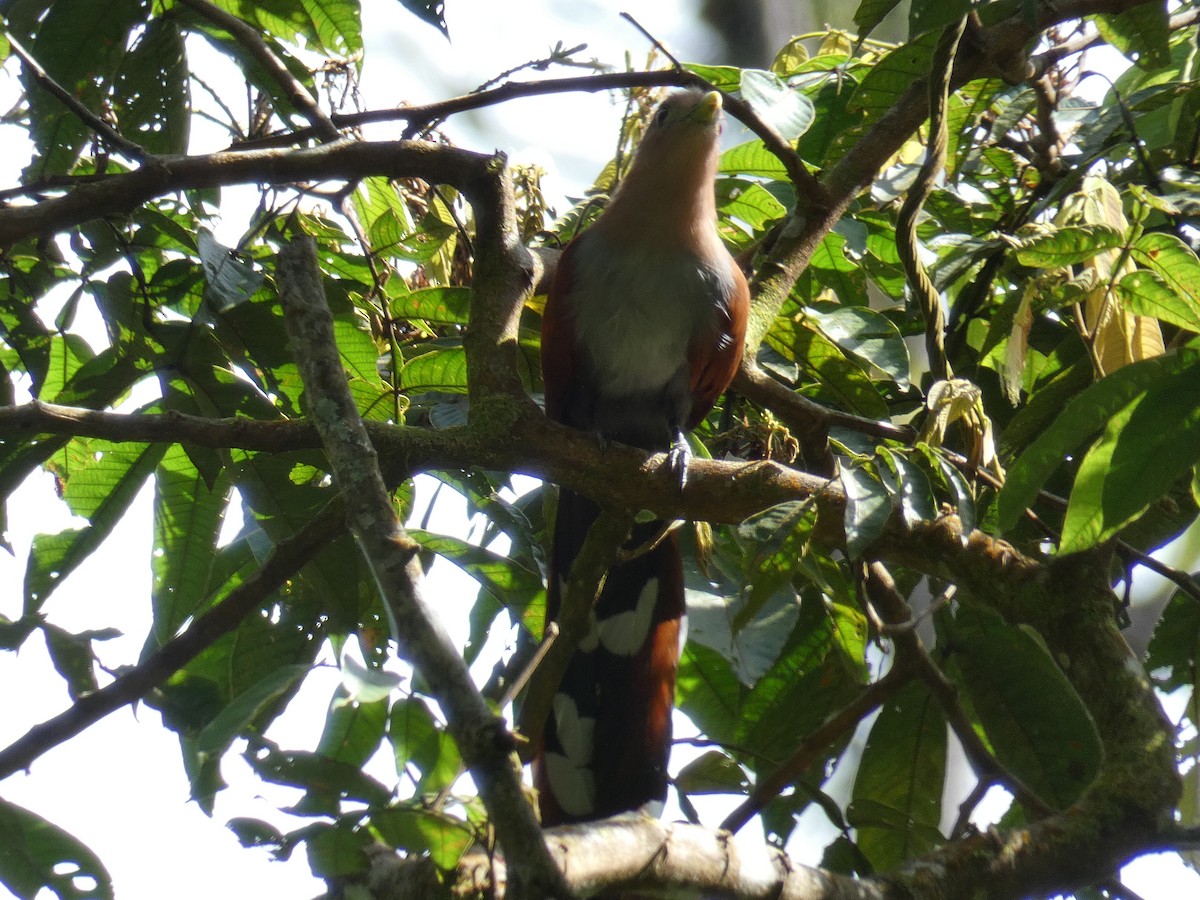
606	745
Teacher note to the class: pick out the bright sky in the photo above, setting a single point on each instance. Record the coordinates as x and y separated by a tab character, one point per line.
120	787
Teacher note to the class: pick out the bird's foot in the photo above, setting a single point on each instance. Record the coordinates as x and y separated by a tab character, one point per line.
677	459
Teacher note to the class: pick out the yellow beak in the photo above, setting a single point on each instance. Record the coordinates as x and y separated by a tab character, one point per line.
709	107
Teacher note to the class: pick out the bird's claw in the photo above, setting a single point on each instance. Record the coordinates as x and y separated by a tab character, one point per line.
677	460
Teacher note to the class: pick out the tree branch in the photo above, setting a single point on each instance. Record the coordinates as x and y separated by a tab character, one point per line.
881	589
287	558
815	743
586	578
482	738
800	238
118	141
250	39
635	852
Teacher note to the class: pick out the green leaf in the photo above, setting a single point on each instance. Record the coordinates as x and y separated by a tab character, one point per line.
216	737
39	855
152	96
723	78
1084	415
712	773
752	158
1146	446
68	355
917	503
748	202
356	347
381	211
431	11
824	361
231	280
1142	33
870	13
80	43
868	507
1035	722
927	15
187	523
755	646
811	681
869	336
964	499
897	797
708	692
257	833
337	851
442	370
775	541
1067	246
327	782
893	75
1173	261
1173	657
1149	294
436	305
102	492
769	531
420	741
444	838
337	25
353	731
73	656
787	110
509	581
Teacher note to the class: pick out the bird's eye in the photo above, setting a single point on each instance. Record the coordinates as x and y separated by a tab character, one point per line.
660	117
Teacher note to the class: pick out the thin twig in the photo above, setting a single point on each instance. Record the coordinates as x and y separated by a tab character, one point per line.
893	608
962	824
251	40
892	629
871	698
284	561
655	42
583	585
549	636
118	141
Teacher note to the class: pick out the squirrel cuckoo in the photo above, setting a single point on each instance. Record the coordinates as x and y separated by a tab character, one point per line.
642	331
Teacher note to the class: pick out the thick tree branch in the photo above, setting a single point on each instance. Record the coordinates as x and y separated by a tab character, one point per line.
485	743
341	161
634	852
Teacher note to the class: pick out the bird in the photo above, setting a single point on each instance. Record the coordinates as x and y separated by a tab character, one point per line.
642	331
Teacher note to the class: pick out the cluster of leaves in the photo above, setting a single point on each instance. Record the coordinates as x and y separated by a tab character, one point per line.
1075	317
1073	291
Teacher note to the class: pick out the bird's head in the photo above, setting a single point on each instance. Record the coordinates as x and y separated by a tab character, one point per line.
667	194
685	127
